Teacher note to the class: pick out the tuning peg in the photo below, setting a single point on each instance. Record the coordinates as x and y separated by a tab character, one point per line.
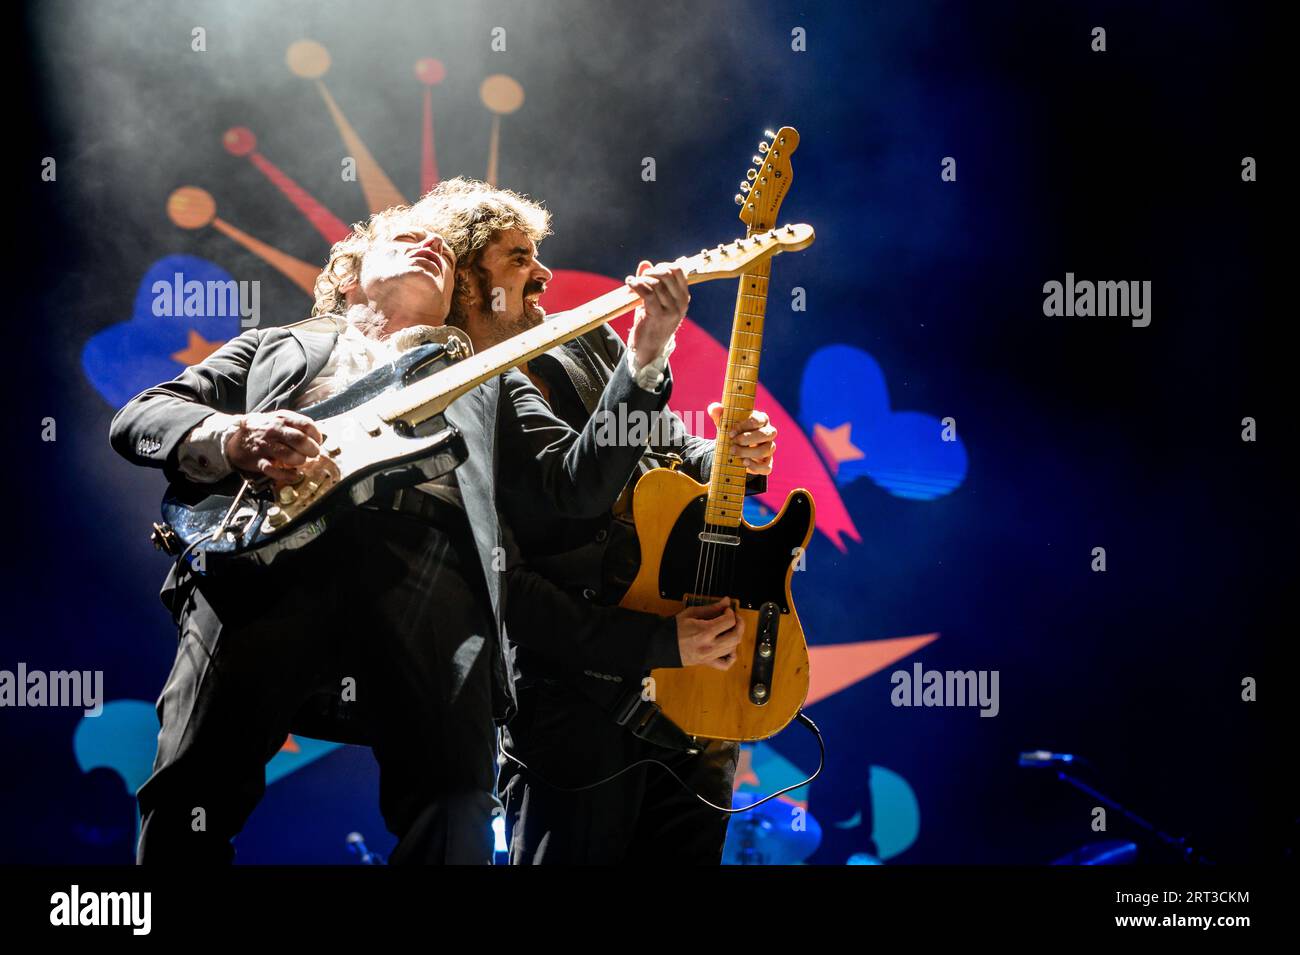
769	134
763	147
744	186
758	160
750	174
740	200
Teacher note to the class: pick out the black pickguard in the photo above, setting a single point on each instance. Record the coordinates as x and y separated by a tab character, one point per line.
753	572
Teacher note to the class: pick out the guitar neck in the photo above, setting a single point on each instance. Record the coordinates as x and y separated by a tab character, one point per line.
728	474
431	396
746	257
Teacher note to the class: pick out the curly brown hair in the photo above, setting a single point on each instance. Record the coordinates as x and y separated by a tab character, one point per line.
467	213
346	254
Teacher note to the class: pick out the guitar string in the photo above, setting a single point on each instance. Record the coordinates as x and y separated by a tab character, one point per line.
720	566
725	567
708	548
723	445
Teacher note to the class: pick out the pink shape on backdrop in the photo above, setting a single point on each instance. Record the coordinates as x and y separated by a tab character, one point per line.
837	666
700	364
241	141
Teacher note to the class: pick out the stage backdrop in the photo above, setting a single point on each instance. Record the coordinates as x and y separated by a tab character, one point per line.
969	455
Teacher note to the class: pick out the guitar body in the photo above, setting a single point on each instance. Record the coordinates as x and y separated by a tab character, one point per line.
669	510
371	457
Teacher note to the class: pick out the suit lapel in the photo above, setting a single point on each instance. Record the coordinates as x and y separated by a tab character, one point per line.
475	415
287	365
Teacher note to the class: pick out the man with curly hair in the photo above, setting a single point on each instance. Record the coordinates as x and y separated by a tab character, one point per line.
579	659
399	606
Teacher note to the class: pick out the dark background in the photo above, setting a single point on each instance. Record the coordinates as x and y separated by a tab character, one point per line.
1081	433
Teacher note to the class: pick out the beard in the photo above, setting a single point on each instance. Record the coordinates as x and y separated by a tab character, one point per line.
470	311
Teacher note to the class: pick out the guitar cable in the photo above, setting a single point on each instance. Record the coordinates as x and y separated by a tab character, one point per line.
800	716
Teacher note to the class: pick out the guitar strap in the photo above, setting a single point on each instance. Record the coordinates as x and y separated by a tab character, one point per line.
645	720
586	381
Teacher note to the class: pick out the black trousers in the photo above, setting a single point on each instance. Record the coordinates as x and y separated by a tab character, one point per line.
643	816
385	608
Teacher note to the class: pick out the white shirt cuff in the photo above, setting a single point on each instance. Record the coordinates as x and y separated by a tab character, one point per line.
202	453
651	375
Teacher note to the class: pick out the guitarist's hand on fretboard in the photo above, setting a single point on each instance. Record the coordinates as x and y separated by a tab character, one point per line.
664	297
752	440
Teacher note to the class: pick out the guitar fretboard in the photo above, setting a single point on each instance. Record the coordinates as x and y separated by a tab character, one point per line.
430	396
727	478
425	398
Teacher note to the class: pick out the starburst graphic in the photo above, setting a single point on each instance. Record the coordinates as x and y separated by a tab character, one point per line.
132	355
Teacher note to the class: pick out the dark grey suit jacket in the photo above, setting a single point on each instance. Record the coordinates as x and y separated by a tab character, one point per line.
558	472
569	573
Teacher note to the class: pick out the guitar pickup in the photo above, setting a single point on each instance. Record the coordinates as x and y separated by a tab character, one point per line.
760	674
731	540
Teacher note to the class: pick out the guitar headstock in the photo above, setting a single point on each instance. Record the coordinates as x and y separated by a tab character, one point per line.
764	187
731	259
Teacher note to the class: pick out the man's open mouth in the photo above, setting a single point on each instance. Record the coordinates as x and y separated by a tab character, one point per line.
432	260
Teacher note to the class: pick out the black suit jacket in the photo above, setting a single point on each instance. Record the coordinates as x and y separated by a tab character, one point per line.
568	574
558	473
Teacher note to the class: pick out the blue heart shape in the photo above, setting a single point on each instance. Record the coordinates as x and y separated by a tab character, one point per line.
904	452
126	358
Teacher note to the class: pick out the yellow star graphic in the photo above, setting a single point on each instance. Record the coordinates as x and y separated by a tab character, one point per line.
836	446
198	349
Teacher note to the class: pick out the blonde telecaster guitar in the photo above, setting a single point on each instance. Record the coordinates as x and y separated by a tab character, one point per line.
696	547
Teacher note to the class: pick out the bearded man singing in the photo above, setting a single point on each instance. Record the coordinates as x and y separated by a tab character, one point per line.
580	660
